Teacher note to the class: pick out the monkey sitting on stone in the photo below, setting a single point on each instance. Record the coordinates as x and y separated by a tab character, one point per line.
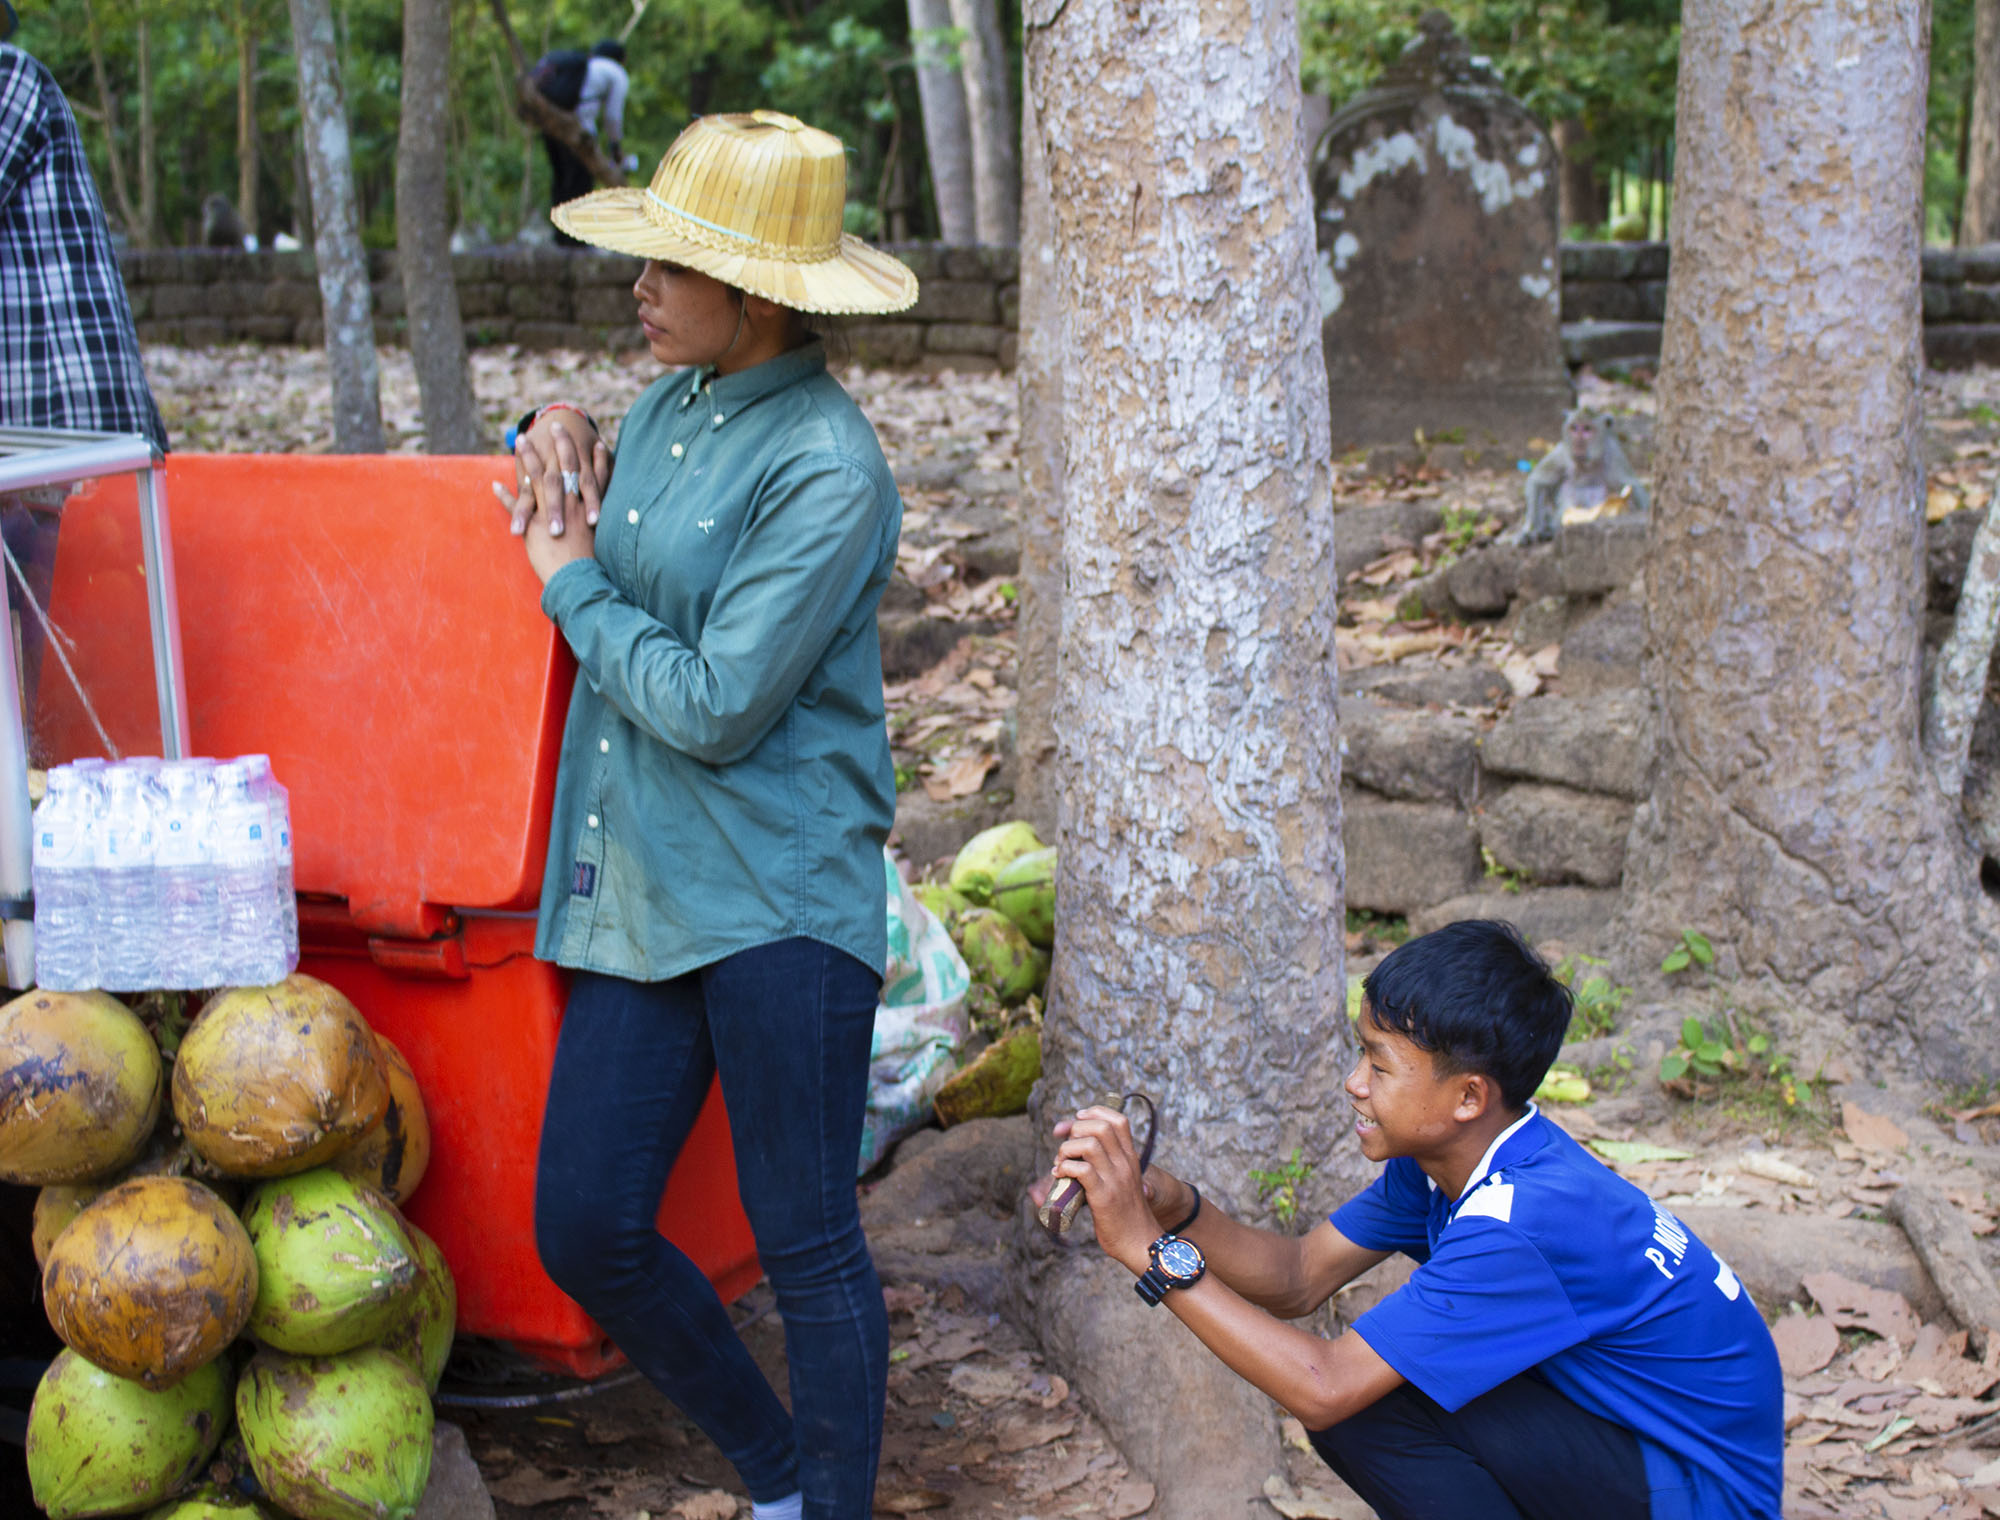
221	227
1587	469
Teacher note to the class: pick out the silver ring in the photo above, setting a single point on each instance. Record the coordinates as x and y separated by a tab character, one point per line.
569	481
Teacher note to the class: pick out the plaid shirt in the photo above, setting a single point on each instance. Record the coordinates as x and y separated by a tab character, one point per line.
68	354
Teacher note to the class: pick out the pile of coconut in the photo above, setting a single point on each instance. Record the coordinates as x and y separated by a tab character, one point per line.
240	1256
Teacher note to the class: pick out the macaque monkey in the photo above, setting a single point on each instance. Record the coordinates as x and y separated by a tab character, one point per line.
221	227
1587	469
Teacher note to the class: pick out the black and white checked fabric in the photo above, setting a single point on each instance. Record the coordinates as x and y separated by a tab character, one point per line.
68	354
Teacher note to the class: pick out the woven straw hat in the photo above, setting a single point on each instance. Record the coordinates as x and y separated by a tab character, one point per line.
755	201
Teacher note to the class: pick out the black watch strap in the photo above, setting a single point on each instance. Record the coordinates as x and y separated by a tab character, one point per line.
1152	1286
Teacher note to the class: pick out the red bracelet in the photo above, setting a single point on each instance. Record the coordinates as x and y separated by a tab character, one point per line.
529	418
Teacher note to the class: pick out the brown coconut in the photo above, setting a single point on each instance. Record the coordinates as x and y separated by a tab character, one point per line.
392	1157
79	1087
55	1206
275	1080
152	1280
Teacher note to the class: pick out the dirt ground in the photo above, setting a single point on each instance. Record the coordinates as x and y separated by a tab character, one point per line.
1886	1416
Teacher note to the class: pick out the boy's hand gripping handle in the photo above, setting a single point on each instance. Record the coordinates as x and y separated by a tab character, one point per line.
1058	1210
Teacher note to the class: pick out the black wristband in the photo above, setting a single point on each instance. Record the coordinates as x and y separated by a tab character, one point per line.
1193	1213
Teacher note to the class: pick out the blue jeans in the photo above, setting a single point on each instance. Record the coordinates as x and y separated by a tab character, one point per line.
787	1025
1521	1452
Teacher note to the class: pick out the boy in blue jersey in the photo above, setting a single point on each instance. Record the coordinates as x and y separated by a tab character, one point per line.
1565	1347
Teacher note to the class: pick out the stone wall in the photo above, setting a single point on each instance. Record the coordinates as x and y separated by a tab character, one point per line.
545	298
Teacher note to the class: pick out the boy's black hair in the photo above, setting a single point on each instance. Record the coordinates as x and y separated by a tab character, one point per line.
1479	1000
610	48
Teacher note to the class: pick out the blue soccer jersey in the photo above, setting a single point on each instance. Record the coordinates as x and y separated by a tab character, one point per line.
1550	1261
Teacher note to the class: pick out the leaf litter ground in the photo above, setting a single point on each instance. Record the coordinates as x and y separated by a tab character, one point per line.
1885	1415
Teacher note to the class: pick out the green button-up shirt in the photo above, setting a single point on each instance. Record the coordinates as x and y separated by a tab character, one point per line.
725	778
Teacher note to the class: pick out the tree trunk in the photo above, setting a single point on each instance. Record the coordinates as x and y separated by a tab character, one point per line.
121	189
343	265
947	132
1199	951
996	175
423	233
1581	197
1792	816
1038	375
246	118
1980	220
149	145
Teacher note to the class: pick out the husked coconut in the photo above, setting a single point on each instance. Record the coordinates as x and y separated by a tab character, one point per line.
151	1280
99	1444
337	1438
55	1206
392	1156
333	1263
275	1080
428	1316
79	1087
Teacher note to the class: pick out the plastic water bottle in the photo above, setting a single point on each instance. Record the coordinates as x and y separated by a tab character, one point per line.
281	874
190	918
252	943
123	854
65	936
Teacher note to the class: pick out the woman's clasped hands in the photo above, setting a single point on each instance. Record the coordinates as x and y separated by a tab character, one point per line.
561	468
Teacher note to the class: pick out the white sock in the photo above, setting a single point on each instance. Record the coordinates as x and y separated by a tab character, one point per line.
792	1507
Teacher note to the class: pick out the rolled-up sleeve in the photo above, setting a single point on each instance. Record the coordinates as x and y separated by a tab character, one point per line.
796	574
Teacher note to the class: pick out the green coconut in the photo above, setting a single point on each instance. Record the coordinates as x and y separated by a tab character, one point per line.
152	1280
212	1502
986	854
55	1206
1025	890
422	1335
942	903
999	954
337	1438
334	1263
996	1083
80	1084
104	1445
280	1079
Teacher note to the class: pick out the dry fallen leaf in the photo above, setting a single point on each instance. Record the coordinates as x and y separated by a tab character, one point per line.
962	778
1806	1343
1024	1435
1132	1497
713	1505
1871	1132
987	1385
910	1501
1853	1305
526	1488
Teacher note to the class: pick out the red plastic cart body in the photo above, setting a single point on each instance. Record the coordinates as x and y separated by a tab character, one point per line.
369	624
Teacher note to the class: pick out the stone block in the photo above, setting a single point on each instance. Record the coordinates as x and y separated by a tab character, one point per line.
928	831
179	300
204	332
1484	580
381	265
1600	745
312	333
158	332
149	266
1476	686
141	302
1407	753
1942	266
288	298
1577	918
924	260
1979	265
961	338
388	298
489	332
1599	263
1009	353
1937	301
1402	856
605	306
1009	299
530	334
263	329
456	1491
967	262
886	343
957	364
538	303
1605	301
486	298
1601	654
1602	556
1551	834
1962	345
1362	534
1610	342
391	332
1541	622
1972	303
1650	261
957	301
604	271
1947	551
473	268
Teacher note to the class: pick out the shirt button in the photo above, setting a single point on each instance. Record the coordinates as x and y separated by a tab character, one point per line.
632	516
604	746
718	419
591	820
677	451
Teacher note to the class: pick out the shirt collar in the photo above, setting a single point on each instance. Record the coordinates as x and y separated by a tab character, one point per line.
1493	1153
727	395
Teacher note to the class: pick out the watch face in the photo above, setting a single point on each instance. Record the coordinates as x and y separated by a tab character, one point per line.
1179	1259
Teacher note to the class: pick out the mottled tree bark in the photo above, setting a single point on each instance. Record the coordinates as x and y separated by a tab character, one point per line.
128	212
1038	373
1583	199
1793	818
996	172
246	117
1199	950
343	265
947	130
423	233
1979	221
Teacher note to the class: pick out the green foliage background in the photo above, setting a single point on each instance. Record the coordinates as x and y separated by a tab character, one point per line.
1609	65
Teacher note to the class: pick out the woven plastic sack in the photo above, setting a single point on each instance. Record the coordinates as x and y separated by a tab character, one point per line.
920	1025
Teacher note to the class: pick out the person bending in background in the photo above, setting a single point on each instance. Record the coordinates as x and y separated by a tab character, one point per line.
1565	1347
591	86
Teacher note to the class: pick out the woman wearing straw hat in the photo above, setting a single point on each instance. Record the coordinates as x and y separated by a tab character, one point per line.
715	874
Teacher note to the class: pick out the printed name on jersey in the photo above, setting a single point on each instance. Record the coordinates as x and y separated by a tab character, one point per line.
1670	1239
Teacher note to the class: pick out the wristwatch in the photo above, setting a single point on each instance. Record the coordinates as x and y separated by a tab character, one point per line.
1177	1263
